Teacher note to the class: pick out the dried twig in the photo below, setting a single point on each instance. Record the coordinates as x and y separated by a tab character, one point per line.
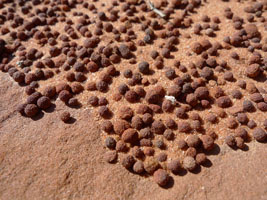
157	11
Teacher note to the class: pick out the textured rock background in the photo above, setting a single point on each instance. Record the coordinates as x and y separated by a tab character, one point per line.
47	159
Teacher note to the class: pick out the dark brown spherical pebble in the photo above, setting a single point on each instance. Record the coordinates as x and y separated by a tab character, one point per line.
158	127
184	127
262	106
167	106
236	94
206	73
30	78
230	141
193	141
120	126
131	96
202	93
162	157
143	67
137	152
165	53
201	158
101	86
32	99
251	88
241	132
65	116
76	88
146	143
137	122
127	73
168	134
232	123
175	91
189	163
259	134
148	150
138	167
170	74
142	109
64	96
159	144
256	97
211	118
92	66
242	84
174	165
49	91
31	110
73	102
130	136
102	101
128	161
91	86
182	144
170	123
126	113
19	76
62	86
180	112
242	118
123	88
252	30
110	156
110	142
197	48
145	133
93	100
124	51
224	102
207	142
218	92
161	177
44	102
248	106
228	76
253	70
121	146
104	111
140	91
107	126
29	90
191	99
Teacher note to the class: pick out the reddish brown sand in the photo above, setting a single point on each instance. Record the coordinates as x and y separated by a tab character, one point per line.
45	158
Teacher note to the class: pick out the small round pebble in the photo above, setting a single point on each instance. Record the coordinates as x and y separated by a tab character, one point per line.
110	143
161	177
44	102
31	110
201	158
138	167
189	163
128	161
230	141
110	156
65	116
259	134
